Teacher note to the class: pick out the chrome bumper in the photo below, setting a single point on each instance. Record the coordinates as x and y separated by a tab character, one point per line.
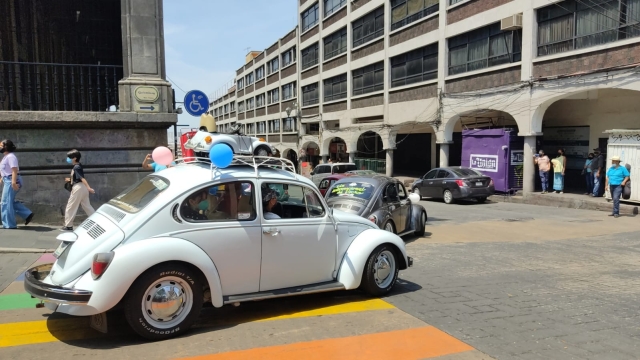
33	285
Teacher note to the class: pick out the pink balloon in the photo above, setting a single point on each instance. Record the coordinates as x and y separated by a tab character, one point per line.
162	156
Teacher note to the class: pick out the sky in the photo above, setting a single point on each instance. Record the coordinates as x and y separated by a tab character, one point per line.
206	41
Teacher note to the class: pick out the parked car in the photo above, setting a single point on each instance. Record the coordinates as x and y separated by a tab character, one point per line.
193	234
323	170
202	142
326	183
381	199
361	172
454	183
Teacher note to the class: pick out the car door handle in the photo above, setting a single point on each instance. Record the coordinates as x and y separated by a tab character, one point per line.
271	231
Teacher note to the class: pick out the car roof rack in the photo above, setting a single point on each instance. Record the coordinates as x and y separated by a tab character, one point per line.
244	160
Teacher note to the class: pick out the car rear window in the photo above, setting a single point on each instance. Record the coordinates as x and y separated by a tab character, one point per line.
465	172
138	196
360	190
341	169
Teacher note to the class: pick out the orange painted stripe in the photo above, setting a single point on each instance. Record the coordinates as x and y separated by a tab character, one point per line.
418	343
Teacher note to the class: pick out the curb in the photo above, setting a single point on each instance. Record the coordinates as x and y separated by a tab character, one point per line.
569	203
25	251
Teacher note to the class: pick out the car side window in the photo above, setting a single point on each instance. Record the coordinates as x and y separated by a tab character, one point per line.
431	174
442	174
402	194
301	202
231	201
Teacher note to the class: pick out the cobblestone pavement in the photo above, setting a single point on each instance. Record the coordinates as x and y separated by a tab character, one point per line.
568	294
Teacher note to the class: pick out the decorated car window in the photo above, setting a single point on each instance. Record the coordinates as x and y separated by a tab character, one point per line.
285	201
232	201
139	195
356	189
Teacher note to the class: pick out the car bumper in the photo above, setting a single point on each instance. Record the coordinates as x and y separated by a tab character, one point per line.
467	192
34	285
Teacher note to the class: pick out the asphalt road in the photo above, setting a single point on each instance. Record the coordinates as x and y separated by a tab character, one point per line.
495	280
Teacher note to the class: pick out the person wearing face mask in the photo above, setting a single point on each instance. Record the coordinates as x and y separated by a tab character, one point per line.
617	177
80	191
597	169
588	175
559	167
194	207
544	165
12	182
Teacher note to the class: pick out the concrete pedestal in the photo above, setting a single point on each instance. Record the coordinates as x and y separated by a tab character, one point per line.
444	155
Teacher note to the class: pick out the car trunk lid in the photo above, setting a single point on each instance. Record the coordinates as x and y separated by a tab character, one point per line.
478	181
95	235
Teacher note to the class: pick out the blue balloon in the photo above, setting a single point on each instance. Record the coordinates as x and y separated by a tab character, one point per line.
221	155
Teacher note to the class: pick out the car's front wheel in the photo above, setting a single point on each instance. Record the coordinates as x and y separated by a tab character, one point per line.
388	226
380	271
261	151
164	302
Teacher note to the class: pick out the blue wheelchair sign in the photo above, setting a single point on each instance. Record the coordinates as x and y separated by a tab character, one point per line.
196	103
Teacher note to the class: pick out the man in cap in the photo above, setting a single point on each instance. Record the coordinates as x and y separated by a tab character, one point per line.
597	169
269	200
617	177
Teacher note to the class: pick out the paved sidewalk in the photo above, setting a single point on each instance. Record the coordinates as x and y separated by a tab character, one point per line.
31	238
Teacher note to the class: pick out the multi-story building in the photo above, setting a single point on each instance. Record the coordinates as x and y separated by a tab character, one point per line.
398	80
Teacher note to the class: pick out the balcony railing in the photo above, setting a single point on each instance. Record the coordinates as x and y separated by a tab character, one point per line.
58	87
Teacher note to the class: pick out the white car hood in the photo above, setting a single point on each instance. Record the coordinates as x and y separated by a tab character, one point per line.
346	217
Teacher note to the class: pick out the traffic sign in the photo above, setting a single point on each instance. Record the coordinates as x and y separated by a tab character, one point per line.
196	103
147	107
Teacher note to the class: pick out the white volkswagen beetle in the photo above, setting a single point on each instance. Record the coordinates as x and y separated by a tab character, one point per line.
195	233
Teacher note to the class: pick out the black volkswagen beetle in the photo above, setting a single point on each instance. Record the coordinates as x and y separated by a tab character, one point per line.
453	183
383	200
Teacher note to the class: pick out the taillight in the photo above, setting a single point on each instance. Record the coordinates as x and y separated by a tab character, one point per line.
373	219
100	264
491	182
461	183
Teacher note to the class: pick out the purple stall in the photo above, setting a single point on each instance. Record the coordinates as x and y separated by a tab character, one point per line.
497	153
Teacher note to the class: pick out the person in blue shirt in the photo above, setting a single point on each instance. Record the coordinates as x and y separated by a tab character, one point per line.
153	166
617	177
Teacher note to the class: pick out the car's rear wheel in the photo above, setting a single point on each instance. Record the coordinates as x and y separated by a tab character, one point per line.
422	223
380	271
481	200
417	192
388	226
448	197
164	302
261	151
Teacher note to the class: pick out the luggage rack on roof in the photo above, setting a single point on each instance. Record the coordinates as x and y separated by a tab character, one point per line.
242	160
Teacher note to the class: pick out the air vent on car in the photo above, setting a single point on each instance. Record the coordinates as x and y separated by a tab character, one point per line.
95	231
88	224
113	213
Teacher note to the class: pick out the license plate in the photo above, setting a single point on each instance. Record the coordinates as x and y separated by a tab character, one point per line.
479	183
61	248
99	322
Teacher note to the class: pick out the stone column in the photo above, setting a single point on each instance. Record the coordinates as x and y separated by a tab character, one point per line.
325	159
434	149
352	157
529	168
144	88
444	155
389	162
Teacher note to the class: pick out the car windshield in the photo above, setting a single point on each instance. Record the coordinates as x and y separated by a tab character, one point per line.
462	172
343	168
360	190
141	194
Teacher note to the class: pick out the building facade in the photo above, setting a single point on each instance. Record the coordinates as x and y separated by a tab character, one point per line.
83	75
396	81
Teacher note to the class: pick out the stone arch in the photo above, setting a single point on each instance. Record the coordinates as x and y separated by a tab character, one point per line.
478	118
341	148
370	144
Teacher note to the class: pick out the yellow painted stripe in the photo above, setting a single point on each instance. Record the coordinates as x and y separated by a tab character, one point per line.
36	332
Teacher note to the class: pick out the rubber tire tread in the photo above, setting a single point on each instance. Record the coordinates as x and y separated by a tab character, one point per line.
368	283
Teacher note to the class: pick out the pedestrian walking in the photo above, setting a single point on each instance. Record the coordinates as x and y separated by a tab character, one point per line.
617	177
588	175
12	183
559	167
544	165
80	191
597	169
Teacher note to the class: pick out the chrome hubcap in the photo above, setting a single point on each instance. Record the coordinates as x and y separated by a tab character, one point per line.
167	302
388	227
447	196
384	269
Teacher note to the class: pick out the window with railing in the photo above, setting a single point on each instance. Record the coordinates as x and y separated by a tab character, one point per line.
331	6
484	48
274	126
335	44
310	94
289	56
368	27
578	24
259	73
405	12
289	125
260	100
309	56
335	88
289	91
273	65
415	66
368	79
310	17
273	96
